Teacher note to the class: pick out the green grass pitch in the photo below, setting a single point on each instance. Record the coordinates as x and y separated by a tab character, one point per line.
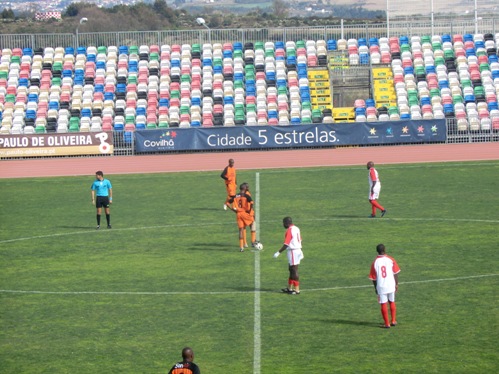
169	274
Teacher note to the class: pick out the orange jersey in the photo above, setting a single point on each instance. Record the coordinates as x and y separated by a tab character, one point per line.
243	203
252	210
229	175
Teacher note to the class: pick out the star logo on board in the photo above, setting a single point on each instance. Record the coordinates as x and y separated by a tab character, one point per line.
372	131
405	129
389	131
169	134
420	129
434	128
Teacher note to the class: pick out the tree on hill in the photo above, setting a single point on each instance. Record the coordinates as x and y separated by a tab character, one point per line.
280	8
7	13
71	11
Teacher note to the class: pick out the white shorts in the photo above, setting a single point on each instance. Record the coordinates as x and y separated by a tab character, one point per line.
294	256
385	297
375	194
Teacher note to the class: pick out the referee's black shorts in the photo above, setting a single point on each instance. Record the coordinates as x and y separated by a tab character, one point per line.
102	201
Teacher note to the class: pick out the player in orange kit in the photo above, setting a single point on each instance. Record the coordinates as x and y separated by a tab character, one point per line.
242	205
229	175
253	225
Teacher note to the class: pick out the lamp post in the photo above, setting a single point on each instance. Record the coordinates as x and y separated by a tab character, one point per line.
387	19
432	19
82	21
200	21
476	17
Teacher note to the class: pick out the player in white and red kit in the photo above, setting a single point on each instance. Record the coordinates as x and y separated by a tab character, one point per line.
374	190
384	274
292	243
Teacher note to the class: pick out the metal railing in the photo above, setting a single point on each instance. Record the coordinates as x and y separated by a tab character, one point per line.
201	36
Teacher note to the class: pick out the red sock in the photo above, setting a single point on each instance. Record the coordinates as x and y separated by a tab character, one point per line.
290	283
375	204
373	208
393	312
384	313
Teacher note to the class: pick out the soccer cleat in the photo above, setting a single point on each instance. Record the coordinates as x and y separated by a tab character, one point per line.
293	292
109	227
383	212
245	245
393	323
225	206
372	216
385	326
286	290
98	227
241	250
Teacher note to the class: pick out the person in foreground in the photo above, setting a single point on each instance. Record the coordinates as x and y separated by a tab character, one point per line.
186	366
384	274
374	190
102	196
292	243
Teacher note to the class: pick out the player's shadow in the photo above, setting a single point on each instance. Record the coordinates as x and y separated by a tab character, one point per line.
348	216
222	247
252	289
77	227
349	322
206	209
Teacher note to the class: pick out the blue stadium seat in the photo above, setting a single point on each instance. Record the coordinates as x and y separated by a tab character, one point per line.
332	45
467	38
446	38
31	114
362	42
86	112
33	97
123	50
108	96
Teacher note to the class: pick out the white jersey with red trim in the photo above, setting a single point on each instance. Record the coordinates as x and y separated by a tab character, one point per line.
292	238
382	271
373	177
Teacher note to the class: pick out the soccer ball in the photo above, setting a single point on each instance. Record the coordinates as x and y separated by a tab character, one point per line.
258	246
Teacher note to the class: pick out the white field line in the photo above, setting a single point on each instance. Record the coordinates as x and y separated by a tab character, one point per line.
427	219
257	335
198	293
387	166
